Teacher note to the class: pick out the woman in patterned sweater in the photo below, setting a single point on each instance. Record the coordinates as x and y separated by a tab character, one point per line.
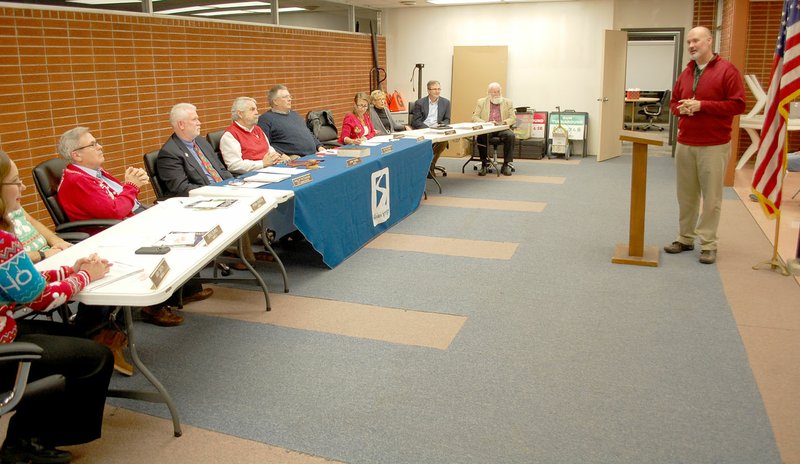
75	415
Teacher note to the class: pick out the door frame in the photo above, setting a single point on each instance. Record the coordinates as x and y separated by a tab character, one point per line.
664	33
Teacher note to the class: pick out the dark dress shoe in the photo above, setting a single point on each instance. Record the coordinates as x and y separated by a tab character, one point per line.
163	316
199	296
33	452
505	170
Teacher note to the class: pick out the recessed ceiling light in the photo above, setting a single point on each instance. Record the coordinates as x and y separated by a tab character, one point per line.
248	11
239	5
106	2
187	9
462	2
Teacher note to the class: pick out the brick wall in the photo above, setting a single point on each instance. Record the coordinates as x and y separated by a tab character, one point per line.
704	12
119	75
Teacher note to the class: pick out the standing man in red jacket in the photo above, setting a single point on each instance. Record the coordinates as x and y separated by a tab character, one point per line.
706	97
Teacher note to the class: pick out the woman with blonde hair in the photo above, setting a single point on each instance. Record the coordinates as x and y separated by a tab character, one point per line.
381	117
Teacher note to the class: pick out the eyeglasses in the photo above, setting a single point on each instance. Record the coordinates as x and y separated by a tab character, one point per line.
362	106
286	96
93	145
17	183
436	88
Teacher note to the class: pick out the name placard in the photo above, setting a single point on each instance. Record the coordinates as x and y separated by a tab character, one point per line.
397	136
158	274
386	149
212	234
257	204
478	127
352	162
420	138
449	132
301	180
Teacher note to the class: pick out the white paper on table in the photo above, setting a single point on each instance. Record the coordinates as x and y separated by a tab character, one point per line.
369	143
254	185
381	139
266	177
282	170
116	272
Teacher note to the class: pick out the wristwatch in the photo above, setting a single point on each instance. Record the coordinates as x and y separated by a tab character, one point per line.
41	255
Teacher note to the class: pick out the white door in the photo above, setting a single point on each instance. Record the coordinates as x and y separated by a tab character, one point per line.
612	102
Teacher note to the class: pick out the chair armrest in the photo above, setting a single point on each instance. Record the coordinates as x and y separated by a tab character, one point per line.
73	237
76	226
20	351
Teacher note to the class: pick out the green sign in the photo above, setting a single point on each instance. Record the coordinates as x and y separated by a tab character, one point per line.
575	123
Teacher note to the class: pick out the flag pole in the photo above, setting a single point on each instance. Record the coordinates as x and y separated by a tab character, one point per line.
777	263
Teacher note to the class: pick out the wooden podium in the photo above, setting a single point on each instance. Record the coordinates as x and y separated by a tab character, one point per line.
635	252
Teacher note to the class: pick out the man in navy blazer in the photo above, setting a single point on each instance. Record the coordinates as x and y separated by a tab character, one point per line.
187	161
421	117
431	111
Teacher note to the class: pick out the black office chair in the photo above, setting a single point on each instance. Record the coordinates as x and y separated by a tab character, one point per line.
213	139
23	354
46	177
321	124
654	110
151	166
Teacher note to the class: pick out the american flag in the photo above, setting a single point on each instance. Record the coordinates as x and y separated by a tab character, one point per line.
783	88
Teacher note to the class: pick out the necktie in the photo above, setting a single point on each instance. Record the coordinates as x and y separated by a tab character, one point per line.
207	164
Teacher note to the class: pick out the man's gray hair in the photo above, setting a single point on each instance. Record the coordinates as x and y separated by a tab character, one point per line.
240	104
494	85
180	112
273	93
70	141
432	83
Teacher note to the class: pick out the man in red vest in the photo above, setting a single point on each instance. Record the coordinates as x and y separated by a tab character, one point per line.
244	145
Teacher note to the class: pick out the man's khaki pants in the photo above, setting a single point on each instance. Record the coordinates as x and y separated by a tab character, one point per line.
700	173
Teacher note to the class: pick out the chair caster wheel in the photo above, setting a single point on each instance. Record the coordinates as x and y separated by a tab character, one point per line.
225	272
444	174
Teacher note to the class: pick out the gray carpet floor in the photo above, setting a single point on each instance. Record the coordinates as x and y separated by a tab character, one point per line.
564	358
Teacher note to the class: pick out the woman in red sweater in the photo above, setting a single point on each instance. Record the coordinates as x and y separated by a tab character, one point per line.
75	415
357	126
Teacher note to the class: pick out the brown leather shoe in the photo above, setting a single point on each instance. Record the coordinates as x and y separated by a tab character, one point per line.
116	340
264	256
199	296
238	266
163	316
678	247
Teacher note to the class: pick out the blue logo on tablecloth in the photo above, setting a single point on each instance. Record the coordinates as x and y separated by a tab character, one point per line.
380	196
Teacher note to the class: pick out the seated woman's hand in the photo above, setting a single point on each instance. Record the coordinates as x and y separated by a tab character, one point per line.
51	251
94	265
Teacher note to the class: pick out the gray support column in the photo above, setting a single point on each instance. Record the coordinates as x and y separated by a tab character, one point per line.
275	15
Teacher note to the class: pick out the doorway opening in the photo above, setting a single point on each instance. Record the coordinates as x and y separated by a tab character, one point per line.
655	59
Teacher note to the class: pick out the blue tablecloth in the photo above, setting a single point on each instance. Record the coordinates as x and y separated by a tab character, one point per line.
343	207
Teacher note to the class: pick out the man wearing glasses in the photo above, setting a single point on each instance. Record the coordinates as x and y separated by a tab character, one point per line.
286	129
431	111
87	191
